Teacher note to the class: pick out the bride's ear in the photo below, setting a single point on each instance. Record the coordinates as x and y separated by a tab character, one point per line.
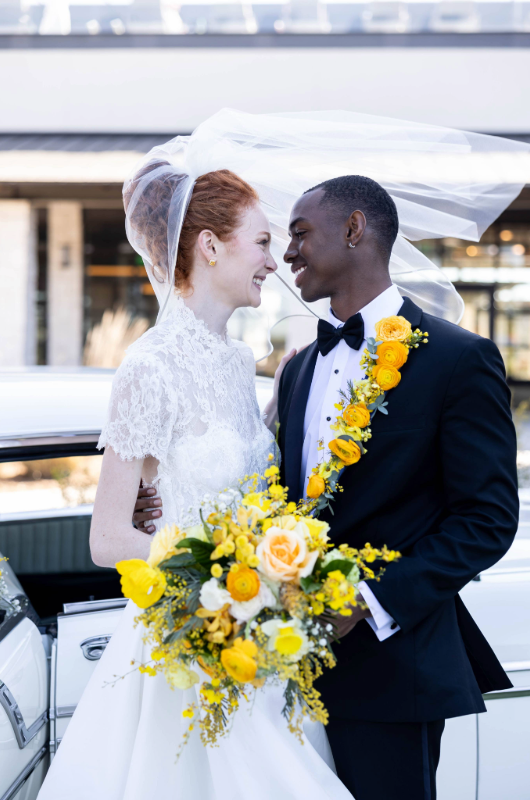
207	245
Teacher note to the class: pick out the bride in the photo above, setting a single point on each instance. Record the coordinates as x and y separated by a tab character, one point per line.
183	417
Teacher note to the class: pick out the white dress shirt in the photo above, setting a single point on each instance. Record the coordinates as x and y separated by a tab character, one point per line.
332	373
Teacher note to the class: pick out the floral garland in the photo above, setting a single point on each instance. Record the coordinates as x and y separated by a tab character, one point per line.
382	360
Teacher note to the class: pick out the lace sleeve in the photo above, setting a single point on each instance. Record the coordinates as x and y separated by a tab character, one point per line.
142	410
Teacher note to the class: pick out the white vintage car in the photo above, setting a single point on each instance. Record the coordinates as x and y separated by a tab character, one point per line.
68	608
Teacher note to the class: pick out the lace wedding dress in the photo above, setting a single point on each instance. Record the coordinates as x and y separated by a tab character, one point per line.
185	396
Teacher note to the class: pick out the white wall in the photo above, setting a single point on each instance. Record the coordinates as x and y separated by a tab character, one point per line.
166	89
17	283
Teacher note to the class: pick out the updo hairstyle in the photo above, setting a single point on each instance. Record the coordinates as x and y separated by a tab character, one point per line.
217	203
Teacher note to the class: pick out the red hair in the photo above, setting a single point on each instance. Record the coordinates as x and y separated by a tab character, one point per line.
217	203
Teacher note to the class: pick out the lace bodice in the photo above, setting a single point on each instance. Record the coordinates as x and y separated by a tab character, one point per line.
186	396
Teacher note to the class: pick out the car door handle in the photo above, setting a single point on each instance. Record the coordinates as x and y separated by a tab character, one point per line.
94	647
23	734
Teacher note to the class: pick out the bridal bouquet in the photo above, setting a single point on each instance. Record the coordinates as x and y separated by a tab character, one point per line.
248	597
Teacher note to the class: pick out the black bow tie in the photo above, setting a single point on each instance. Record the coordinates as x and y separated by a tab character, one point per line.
352	332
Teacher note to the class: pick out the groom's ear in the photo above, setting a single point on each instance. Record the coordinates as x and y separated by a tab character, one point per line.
355	227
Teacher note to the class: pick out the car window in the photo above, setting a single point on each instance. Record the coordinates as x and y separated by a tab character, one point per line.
48	484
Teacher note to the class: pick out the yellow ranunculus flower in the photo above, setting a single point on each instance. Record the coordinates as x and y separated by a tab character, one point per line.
392	329
243	585
348	452
315	487
356	416
141	583
387	377
238	660
393	353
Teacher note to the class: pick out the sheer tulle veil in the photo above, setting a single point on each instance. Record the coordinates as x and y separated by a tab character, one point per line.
435	175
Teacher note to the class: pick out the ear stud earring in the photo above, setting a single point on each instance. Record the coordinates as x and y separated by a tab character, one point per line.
212	262
351	245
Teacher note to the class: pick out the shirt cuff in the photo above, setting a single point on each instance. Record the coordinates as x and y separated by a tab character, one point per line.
381	622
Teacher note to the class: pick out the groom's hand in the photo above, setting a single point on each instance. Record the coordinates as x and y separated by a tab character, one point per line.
343	625
146	509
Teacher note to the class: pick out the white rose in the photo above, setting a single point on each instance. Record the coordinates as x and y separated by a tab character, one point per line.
196	532
213	596
242	612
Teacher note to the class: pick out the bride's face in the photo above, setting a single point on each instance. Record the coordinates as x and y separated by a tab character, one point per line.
244	261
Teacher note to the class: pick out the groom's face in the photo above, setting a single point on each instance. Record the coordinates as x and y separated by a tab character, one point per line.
316	249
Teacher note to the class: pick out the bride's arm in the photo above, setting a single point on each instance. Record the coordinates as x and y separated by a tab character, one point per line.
112	536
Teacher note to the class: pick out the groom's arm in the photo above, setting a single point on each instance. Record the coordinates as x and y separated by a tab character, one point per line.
478	462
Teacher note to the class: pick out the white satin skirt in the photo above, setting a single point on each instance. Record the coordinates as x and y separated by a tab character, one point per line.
123	739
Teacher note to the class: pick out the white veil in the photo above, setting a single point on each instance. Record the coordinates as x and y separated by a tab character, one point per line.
440	179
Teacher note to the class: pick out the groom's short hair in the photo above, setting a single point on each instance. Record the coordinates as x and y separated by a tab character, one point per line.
356	193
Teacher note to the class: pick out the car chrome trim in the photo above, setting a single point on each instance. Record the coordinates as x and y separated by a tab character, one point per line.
24	775
23	734
515	691
54	745
94	647
64	711
53	513
516	666
37	439
88	606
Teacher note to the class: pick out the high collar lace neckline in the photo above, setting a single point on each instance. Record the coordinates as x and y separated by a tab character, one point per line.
181	313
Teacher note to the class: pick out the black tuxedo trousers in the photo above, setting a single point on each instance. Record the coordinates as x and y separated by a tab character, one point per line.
438	483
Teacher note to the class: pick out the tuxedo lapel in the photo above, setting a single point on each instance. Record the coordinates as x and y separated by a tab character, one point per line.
411	312
294	433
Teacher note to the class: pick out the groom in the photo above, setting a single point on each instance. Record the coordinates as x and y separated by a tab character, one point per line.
438	483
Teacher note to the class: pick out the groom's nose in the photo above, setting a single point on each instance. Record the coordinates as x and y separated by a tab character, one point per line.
290	254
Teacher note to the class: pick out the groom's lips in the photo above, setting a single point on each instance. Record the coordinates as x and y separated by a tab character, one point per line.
295	269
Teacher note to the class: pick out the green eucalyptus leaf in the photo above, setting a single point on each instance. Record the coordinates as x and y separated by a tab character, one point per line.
309	584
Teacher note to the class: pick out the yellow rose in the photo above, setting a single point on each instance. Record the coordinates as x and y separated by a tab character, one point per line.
393	354
356	416
386	376
392	329
284	555
141	583
238	660
315	487
163	544
318	530
348	452
243	584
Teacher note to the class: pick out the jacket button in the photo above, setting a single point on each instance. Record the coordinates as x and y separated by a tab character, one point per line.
393	626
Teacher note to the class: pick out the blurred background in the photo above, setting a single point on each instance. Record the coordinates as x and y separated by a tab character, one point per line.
86	88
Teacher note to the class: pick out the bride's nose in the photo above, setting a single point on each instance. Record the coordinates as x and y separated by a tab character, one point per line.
271	265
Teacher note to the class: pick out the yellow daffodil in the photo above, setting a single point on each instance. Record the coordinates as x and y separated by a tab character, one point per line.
141	583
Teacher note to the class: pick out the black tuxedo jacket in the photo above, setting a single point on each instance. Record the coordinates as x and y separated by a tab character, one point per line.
439	484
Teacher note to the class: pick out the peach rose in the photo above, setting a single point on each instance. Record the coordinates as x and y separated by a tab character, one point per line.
392	329
284	555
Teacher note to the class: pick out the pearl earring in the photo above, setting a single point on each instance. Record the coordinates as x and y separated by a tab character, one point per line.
212	262
351	245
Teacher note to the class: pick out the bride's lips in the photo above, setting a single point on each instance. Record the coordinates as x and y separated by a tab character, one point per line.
258	281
